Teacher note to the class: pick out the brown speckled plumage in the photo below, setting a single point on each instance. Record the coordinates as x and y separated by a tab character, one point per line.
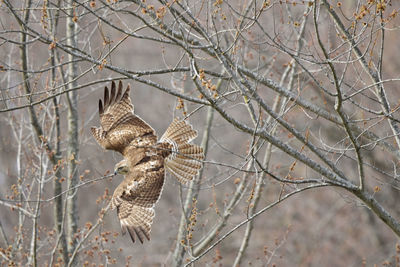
145	159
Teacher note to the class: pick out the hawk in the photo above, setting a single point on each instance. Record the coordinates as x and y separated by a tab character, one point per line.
145	159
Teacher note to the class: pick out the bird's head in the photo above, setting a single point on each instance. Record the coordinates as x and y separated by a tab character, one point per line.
121	167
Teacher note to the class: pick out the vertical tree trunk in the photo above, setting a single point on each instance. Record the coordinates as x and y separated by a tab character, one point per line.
179	251
57	186
33	119
54	157
73	149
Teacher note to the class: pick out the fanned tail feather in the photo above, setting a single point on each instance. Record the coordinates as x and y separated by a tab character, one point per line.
185	160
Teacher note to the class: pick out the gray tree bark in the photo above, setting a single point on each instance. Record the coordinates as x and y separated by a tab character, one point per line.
73	138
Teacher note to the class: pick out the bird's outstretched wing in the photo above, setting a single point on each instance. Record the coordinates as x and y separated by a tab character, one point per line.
136	196
135	220
119	124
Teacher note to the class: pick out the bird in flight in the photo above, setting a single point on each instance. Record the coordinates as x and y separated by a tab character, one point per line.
145	159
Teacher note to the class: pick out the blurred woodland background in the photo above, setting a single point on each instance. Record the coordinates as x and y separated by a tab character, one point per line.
296	104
